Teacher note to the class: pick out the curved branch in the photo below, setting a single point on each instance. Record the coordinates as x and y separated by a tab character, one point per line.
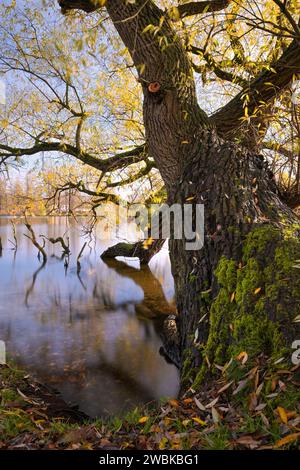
116	162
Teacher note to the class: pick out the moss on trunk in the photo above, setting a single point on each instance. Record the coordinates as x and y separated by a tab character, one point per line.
259	298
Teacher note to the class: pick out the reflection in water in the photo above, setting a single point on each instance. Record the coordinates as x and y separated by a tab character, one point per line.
92	332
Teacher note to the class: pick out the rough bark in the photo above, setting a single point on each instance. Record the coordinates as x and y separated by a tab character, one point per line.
239	196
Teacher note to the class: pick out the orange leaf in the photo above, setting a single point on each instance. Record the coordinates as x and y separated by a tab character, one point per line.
174	403
243	356
287	439
257	291
188	400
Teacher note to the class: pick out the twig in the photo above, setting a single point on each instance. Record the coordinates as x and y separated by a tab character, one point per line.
60	240
79	256
34	240
15	242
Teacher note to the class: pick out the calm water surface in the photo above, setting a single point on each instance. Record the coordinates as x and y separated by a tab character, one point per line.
92	336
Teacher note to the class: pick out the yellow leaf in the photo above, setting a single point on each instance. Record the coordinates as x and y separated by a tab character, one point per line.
243	356
282	414
143	419
185	422
287	439
174	13
162	443
147	243
232	297
190	198
199	421
257	291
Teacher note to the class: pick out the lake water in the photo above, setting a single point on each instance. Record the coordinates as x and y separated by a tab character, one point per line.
94	336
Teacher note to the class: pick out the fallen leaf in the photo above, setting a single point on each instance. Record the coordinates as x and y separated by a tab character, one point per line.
199	404
225	387
247	441
252	401
291	414
243	357
187	401
282	385
162	443
143	419
257	291
185	422
265	420
174	403
260	407
212	403
259	389
215	415
242	384
287	439
282	414
199	421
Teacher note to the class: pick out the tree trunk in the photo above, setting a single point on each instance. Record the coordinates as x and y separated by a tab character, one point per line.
241	291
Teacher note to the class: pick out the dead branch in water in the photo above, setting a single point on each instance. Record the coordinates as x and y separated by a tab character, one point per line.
60	240
34	240
79	256
15	242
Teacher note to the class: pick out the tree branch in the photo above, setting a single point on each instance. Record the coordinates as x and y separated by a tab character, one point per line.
260	92
197	8
86	5
116	162
215	68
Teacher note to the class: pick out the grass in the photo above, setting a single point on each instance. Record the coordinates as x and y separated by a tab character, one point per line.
264	414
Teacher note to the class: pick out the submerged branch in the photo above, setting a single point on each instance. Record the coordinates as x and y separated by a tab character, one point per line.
144	250
34	241
64	245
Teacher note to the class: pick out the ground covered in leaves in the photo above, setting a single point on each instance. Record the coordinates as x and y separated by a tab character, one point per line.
246	406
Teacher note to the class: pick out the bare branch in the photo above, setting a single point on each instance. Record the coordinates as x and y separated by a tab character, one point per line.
197	8
116	162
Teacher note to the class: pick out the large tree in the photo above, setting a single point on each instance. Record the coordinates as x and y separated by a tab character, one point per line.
240	292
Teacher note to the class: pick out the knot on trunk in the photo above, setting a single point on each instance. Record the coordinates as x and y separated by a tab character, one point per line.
154	87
